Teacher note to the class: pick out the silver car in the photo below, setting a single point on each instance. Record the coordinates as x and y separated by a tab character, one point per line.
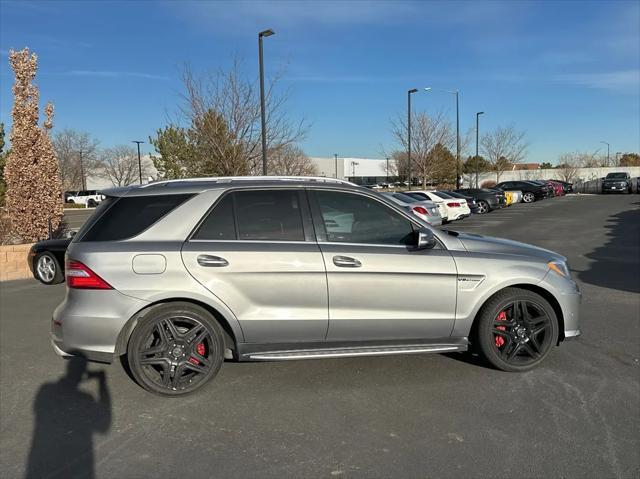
423	209
178	275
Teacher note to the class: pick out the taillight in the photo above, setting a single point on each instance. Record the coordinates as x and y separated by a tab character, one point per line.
453	205
80	276
420	210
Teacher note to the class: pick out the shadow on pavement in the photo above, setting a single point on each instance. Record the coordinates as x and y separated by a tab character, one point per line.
65	422
615	263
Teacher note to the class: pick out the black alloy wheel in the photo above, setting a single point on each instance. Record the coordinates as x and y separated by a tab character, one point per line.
175	349
517	330
483	207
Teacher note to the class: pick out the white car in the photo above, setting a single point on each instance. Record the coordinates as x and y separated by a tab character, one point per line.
424	209
454	208
89	198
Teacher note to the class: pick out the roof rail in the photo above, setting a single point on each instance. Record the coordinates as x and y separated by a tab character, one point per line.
231	179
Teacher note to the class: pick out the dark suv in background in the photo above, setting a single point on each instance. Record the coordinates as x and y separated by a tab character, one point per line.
617	182
530	191
486	200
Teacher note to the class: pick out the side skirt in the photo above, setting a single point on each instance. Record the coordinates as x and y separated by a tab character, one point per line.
345	349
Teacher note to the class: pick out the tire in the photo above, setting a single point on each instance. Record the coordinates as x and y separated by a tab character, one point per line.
526	339
528	197
70	201
47	269
92	203
175	349
483	207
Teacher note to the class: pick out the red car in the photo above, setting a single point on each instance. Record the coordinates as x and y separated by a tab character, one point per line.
558	188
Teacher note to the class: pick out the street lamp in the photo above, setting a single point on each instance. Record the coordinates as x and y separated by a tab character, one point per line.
265	33
409	92
607	151
477	136
83	178
335	157
387	171
139	162
456	93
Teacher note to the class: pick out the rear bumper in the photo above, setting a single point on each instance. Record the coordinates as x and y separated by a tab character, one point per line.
88	323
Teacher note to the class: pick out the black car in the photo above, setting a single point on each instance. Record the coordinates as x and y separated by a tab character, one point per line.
486	200
617	182
46	260
471	202
531	190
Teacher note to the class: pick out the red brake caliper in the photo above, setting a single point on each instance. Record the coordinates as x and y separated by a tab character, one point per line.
200	350
499	339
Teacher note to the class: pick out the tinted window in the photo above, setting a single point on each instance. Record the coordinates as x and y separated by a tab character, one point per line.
269	215
617	176
130	216
351	218
219	223
407	198
442	195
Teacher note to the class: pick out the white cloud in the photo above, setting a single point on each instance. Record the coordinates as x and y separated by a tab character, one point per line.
627	81
116	74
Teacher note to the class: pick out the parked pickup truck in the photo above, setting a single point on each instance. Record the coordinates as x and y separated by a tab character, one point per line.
89	198
617	181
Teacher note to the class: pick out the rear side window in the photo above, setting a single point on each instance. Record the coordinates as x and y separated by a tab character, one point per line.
130	216
219	223
267	215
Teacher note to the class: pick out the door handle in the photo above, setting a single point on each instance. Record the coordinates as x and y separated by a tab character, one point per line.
210	260
346	262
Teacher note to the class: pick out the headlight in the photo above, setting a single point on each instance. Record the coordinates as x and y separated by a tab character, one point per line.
560	267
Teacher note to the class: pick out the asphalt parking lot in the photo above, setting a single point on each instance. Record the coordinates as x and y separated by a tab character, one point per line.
578	415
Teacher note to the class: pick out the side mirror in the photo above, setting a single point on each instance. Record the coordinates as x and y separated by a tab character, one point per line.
426	239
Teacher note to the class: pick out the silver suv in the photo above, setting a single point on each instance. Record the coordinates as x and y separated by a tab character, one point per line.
176	276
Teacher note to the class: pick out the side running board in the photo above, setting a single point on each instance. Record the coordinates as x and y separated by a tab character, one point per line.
344	352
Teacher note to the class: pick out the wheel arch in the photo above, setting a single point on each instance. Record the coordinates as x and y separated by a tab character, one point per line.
545	293
231	335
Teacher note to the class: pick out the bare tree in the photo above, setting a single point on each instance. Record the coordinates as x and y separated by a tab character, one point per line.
426	133
119	165
69	145
290	160
223	110
503	148
568	165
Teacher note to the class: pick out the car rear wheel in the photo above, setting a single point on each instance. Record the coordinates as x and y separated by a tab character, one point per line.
483	207
47	269
175	349
517	329
528	197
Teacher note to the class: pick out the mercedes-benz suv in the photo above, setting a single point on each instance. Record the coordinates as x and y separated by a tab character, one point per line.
176	276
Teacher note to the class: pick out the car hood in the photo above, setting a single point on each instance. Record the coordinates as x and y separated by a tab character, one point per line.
489	244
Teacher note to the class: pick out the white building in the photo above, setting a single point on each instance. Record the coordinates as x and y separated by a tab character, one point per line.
358	170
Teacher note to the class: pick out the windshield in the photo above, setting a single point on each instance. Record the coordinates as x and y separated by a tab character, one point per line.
616	176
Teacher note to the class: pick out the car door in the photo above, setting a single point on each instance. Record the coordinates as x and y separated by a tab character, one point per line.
379	286
256	252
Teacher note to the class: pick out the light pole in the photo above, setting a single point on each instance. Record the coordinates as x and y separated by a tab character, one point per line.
139	162
617	160
477	137
84	181
387	171
456	93
607	151
409	92
335	157
265	33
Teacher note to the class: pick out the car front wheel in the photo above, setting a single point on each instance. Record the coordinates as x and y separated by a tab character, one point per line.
517	329
175	349
483	207
528	197
47	270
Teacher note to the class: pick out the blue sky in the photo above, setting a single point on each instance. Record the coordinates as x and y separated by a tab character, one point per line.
568	73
